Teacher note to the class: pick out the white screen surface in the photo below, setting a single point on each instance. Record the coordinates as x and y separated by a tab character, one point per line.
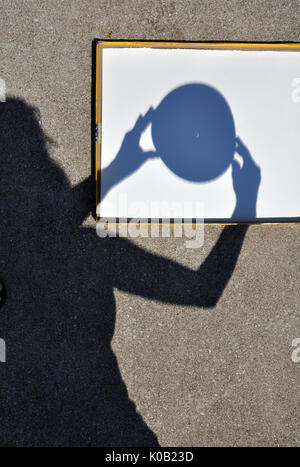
261	90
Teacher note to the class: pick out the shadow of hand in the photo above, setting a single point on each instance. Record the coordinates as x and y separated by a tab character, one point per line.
130	156
246	180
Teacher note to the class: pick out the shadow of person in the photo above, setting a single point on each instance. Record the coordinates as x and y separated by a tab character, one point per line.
61	385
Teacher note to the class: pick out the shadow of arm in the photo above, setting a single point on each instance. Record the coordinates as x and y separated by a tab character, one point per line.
154	277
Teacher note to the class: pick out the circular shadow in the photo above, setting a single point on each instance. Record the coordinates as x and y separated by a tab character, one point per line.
193	132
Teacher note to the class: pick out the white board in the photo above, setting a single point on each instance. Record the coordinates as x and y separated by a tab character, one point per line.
261	89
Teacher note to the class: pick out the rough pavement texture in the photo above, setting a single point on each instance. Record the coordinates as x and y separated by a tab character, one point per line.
85	335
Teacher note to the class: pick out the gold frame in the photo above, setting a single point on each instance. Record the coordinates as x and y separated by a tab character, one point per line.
101	44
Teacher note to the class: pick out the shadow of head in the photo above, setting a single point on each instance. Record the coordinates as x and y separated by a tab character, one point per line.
32	182
24	148
193	132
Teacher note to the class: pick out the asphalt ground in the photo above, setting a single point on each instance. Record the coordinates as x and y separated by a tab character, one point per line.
109	342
